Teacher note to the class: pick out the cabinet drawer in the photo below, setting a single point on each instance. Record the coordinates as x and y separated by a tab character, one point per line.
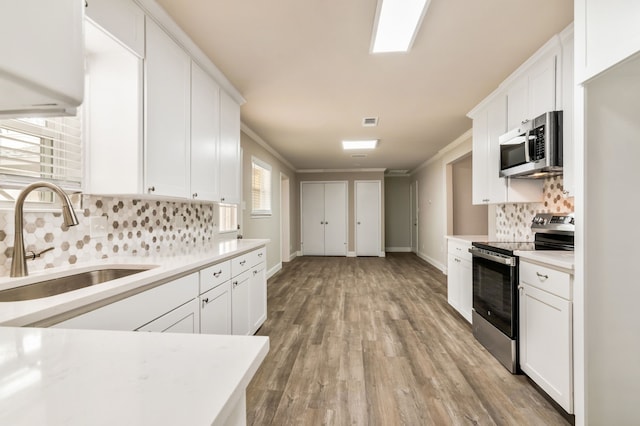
547	279
460	249
258	256
241	264
215	275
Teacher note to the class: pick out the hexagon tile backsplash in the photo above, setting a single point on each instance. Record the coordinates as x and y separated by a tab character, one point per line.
513	221
135	228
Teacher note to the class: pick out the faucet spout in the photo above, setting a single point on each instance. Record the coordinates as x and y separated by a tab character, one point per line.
19	262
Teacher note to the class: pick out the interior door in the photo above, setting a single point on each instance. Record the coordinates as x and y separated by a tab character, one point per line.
312	219
368	218
335	219
414	217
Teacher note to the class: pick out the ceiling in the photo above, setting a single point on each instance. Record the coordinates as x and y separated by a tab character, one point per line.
305	70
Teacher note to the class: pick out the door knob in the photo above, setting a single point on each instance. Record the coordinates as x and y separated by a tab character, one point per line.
358	223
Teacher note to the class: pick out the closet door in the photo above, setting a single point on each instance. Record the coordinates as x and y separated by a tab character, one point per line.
335	219
368	218
312	219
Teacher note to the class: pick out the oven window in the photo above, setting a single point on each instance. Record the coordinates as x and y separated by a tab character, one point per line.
494	294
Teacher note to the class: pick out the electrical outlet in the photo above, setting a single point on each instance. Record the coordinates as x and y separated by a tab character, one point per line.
98	226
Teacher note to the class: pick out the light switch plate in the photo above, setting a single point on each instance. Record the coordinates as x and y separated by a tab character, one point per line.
98	226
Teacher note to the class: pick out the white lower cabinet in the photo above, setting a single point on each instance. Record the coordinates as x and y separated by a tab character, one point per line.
226	298
257	297
184	319
139	310
215	310
459	278
240	304
546	330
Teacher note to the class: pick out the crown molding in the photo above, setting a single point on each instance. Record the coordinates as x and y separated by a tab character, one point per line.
257	139
340	170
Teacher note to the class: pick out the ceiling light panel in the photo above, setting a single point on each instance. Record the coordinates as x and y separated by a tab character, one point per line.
396	24
364	144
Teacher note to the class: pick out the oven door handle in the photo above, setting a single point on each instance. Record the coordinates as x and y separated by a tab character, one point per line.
504	260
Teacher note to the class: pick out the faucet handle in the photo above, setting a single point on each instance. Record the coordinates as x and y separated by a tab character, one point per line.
33	255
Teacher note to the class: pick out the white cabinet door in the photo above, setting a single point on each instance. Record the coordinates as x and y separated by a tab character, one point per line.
184	319
230	167
135	311
542	86
168	105
240	304
257	297
41	55
453	281
607	32
546	343
205	131
488	124
312	218
368	207
335	219
518	102
215	310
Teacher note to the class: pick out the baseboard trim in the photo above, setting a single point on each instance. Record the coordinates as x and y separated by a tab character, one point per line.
351	254
431	261
398	249
271	272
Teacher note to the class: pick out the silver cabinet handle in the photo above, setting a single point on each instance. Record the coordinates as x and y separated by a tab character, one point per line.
545	277
195	195
205	301
260	254
243	262
217	274
235	284
151	188
255	272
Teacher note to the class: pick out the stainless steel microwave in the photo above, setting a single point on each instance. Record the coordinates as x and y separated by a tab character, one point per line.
533	150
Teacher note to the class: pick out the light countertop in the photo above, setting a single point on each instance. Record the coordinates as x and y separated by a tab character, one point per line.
559	259
163	268
467	238
88	377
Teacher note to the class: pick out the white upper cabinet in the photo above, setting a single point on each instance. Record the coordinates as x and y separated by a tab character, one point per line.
573	112
205	133
489	122
533	92
230	166
168	113
41	57
121	18
607	32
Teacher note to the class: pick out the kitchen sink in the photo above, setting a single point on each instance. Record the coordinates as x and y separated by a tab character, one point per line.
66	284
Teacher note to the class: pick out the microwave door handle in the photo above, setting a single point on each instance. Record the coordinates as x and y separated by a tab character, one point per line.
527	156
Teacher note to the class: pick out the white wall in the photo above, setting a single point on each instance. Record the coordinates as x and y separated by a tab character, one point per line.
434	216
607	250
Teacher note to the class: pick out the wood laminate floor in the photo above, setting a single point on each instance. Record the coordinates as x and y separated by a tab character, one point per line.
372	341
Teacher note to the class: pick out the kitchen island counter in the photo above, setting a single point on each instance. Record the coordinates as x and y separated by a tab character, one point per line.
89	377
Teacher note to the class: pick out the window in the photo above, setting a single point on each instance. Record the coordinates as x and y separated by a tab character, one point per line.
260	188
33	149
228	217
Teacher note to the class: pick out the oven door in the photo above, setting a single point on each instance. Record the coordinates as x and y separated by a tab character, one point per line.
495	283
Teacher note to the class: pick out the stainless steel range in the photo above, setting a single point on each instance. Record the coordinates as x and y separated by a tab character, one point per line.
495	284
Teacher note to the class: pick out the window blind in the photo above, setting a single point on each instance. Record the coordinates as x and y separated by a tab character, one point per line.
260	187
41	149
228	217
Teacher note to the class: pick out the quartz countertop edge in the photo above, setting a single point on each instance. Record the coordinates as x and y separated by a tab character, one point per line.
162	268
468	238
556	258
80	377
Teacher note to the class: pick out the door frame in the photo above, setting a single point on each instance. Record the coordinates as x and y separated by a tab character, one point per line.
415	215
355	215
285	218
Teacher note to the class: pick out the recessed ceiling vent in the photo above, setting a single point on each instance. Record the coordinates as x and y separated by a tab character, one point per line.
370	122
358	155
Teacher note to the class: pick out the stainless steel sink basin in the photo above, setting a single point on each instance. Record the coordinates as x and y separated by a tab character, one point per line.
65	284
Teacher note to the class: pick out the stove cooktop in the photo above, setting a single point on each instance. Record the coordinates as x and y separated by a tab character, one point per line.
509	247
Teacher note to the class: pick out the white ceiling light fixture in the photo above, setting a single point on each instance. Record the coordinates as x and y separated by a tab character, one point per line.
396	24
365	144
